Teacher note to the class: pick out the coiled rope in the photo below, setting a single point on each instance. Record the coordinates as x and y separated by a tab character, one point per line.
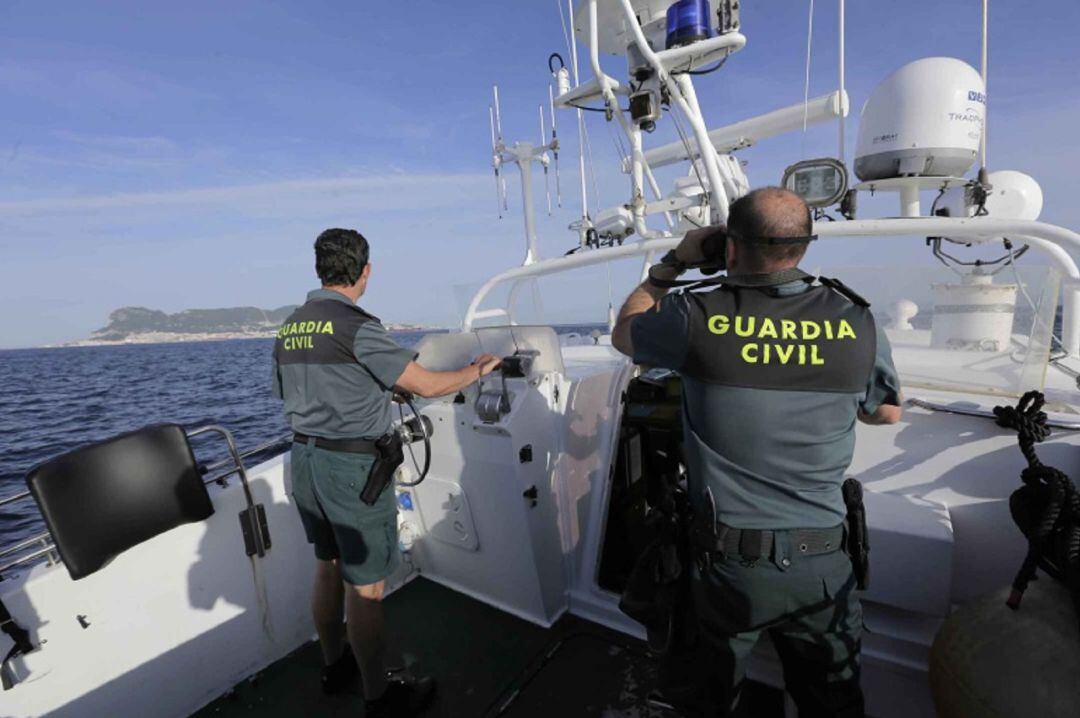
1046	507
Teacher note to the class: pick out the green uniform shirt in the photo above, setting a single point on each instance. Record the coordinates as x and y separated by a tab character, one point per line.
772	459
343	392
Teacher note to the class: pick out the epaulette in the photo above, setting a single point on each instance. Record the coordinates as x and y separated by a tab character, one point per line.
837	286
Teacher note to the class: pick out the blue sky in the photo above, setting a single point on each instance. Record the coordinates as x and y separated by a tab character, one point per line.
185	155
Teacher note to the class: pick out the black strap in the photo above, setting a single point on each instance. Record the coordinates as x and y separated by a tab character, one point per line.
349	446
20	636
772	279
837	286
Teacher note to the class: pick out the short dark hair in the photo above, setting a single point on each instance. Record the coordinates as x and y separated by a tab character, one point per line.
340	257
769	212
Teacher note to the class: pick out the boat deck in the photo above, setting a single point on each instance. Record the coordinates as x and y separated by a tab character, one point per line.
487	663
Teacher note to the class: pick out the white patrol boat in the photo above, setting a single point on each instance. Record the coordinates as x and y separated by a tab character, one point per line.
149	597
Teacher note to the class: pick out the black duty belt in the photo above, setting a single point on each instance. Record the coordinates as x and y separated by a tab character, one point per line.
350	446
757	543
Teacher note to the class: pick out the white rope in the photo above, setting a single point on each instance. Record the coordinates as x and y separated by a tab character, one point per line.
806	87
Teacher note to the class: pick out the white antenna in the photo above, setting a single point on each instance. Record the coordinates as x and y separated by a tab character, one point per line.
497	149
543	158
843	94
555	145
522	154
496	162
580	128
986	88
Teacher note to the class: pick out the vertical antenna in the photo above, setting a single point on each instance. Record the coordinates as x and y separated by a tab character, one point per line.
555	145
499	135
543	142
806	87
495	162
581	122
843	92
986	88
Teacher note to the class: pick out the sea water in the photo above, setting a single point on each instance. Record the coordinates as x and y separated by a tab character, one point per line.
53	400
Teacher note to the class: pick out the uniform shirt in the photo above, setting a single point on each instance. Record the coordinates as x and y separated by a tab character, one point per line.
343	400
773	459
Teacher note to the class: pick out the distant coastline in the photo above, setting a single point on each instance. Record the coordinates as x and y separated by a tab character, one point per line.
139	325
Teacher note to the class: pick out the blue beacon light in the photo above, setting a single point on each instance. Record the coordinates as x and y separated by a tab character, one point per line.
687	22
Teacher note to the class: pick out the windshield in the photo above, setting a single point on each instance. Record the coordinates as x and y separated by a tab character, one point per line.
982	334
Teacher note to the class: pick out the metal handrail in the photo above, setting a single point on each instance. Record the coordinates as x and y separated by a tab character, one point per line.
265	446
47	551
14	497
24	544
235	458
252	508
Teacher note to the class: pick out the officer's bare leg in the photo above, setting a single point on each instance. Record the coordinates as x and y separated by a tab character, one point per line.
328	609
367	635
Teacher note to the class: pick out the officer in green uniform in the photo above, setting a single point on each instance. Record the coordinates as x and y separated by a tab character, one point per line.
335	367
776	370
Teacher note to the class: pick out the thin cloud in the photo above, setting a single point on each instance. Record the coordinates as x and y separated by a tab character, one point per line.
423	190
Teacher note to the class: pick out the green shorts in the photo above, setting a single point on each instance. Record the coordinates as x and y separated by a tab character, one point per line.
326	486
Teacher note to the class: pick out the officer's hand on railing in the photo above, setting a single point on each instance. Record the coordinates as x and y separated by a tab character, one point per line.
487	363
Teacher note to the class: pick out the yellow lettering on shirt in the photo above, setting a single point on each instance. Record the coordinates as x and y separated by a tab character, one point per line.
718	324
744	326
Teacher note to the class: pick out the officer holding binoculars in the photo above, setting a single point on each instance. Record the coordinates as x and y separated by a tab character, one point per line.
776	366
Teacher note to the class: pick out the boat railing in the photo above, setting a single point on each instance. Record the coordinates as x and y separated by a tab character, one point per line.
1057	243
41	547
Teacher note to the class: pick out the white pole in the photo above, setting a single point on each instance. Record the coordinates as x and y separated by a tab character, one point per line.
525	165
909	201
580	127
843	92
985	78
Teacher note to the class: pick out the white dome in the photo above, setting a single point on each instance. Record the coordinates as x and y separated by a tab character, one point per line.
925	119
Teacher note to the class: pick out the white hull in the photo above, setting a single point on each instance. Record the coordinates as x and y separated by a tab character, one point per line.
179	620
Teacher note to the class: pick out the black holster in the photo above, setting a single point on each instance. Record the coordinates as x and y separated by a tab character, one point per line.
388	456
857	538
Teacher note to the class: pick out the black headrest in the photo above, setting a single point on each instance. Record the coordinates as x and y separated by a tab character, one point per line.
101	499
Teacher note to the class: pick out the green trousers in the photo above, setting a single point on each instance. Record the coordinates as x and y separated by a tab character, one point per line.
811	612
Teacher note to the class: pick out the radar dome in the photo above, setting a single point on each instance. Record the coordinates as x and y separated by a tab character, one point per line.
925	119
1012	195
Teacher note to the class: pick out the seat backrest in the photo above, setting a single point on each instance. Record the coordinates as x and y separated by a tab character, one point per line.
101	499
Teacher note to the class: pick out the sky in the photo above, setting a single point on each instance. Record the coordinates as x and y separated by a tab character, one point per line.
185	155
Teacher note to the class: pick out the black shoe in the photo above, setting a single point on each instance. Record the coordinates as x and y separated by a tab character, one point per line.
340	674
405	696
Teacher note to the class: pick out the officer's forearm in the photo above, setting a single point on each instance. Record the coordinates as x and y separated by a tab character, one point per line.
641	300
428	384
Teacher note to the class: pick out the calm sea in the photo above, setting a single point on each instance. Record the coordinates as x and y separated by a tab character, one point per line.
52	400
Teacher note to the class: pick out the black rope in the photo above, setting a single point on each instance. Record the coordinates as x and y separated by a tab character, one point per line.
1046	507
